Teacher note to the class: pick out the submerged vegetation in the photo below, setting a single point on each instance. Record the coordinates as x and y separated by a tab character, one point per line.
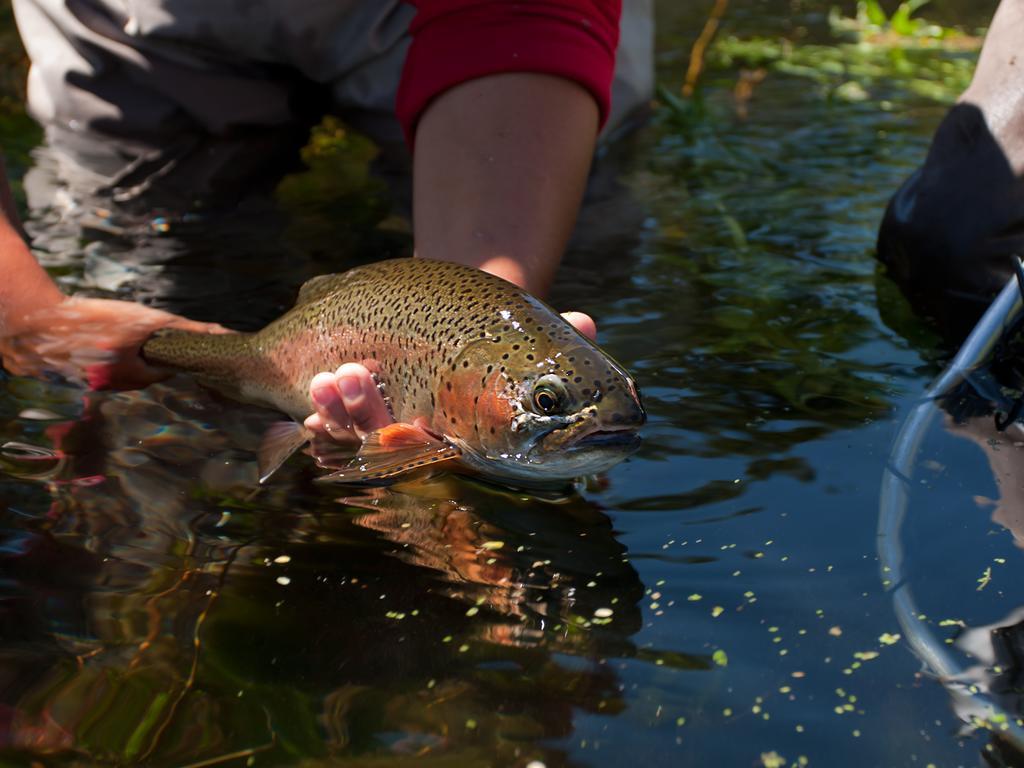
900	30
777	185
871	57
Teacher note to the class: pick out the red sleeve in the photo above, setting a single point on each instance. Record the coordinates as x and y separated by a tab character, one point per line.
458	40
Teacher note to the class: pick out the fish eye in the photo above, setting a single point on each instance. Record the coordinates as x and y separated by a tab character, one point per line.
547	399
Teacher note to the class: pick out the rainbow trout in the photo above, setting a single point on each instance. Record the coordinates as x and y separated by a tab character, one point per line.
476	371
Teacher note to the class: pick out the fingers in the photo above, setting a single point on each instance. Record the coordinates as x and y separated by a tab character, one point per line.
347	402
330	416
583	323
184	324
127	317
103	338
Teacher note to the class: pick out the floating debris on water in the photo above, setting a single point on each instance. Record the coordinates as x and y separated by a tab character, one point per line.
986	577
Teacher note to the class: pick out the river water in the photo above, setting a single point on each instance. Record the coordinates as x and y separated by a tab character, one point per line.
714	600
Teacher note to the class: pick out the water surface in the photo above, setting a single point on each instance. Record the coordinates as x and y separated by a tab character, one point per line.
715	600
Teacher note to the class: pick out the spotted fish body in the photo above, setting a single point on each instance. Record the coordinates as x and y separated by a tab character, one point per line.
476	358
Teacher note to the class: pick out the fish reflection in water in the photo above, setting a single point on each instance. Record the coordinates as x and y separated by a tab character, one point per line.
530	565
168	615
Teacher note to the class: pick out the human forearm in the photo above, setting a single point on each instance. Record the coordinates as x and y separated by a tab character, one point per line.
502	103
501	163
25	286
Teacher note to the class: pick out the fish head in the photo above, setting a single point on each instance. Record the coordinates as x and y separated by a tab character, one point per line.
542	415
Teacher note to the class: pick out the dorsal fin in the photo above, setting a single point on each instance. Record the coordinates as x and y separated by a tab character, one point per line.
320	286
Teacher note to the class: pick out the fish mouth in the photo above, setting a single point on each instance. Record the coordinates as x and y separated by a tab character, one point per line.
628	439
588	436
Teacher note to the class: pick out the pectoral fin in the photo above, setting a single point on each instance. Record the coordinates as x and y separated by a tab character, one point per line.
281	440
390	451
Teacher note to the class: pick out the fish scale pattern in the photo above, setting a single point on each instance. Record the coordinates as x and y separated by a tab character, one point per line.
410	321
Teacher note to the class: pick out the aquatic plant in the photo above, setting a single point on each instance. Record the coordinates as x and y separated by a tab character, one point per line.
873	57
871	25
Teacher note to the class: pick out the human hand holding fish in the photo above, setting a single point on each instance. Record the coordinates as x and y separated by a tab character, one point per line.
349	404
95	341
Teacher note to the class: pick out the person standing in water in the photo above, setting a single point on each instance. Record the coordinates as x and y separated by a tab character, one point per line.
503	103
952	231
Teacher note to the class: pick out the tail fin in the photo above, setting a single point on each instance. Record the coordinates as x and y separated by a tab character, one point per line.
195	352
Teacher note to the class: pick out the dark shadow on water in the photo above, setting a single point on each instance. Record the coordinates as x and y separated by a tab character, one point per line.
239	264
